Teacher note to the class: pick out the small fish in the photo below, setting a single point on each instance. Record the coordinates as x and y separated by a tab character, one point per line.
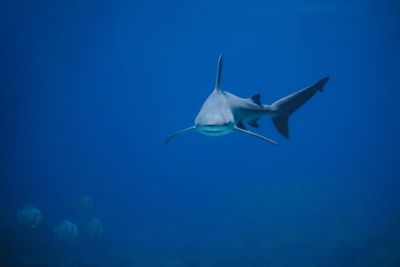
94	227
66	231
29	215
84	203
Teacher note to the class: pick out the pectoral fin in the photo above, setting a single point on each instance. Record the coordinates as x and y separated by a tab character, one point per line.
256	135
179	133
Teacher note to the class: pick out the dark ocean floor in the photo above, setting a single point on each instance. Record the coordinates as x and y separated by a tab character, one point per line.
255	228
382	251
252	249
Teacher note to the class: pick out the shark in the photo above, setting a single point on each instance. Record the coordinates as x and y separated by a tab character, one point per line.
223	113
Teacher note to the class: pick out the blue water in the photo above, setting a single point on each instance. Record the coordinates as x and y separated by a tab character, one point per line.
91	89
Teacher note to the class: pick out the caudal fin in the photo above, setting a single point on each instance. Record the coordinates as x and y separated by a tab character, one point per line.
284	107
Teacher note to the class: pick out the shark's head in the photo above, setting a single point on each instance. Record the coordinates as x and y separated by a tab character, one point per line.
215	117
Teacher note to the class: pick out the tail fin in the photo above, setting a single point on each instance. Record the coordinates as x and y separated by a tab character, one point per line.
284	107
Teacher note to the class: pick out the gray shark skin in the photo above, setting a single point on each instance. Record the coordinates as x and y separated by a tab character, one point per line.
223	113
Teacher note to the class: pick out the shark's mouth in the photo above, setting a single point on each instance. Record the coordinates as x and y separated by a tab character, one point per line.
215	129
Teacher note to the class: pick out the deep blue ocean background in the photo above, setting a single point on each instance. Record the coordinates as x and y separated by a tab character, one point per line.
91	89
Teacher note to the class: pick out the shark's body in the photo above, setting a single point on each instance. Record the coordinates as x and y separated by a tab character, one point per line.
223	112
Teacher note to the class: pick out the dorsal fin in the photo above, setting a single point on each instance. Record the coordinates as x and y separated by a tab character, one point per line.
219	72
256	99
